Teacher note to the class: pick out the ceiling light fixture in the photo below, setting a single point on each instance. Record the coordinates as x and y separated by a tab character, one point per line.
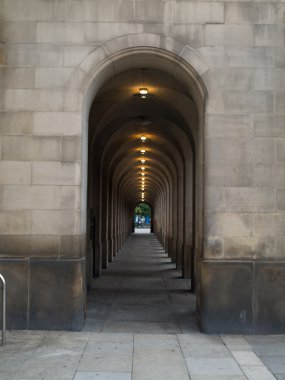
143	91
142	151
143	138
142	161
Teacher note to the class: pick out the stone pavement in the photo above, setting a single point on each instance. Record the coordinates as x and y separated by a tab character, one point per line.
141	326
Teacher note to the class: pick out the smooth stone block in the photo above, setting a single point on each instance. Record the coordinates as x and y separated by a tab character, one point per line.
75	54
34	55
33	100
14	222
56	173
17	77
268	35
55	222
52	78
240	35
247	56
71	148
31	148
59	32
70	197
56	123
31	197
16	123
271	224
269	126
250	199
199	13
249	13
100	32
280	150
100	10
18	32
15	172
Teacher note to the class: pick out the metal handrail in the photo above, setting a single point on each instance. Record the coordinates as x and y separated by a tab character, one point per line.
3	309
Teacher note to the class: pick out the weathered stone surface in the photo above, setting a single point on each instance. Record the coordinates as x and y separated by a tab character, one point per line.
268	35
71	148
14	222
70	197
54	222
228	305
52	78
249	199
61	307
199	12
56	123
249	13
249	248
269	290
18	32
269	125
33	100
100	32
101	10
31	197
271	224
56	173
15	172
16	275
269	175
34	55
16	123
17	78
71	246
240	35
59	32
31	148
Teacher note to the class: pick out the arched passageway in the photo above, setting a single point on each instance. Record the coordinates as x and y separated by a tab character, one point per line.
145	145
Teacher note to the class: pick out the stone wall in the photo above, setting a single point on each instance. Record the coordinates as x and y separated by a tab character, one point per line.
241	45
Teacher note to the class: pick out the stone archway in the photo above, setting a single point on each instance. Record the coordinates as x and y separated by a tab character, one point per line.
181	63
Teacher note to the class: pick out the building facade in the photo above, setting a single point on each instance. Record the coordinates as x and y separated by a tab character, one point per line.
71	117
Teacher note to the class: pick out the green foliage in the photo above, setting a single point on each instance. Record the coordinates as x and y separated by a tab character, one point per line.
143	209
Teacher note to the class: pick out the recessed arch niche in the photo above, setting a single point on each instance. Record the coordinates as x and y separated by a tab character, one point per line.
114	119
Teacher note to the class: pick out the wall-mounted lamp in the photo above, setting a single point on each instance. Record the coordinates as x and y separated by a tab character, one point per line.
142	151
143	138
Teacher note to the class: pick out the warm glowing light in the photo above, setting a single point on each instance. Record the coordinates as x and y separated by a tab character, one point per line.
142	161
143	91
142	151
143	168
143	138
143	174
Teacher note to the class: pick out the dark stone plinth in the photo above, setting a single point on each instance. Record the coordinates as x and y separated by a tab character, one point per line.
270	298
242	297
15	273
56	295
226	297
